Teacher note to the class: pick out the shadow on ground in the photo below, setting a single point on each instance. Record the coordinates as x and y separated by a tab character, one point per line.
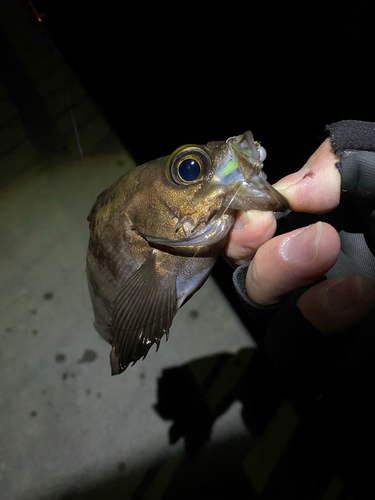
292	444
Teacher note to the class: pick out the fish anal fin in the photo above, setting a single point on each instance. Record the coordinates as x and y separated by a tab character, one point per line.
141	314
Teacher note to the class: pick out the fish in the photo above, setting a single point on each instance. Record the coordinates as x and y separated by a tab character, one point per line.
157	231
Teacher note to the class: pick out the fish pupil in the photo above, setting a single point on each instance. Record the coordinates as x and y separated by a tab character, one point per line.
189	170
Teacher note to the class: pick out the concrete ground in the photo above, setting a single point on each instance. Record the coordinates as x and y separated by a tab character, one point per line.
64	420
66	424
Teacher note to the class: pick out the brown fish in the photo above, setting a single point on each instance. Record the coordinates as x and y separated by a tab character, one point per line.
156	233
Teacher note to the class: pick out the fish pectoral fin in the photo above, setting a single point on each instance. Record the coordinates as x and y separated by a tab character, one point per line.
142	313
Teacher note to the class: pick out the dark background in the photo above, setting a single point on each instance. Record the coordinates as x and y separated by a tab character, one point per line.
165	74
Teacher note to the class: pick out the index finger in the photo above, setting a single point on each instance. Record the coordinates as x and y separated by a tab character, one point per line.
316	187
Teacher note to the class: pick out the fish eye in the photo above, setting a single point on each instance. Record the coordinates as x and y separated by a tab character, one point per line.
189	169
189	164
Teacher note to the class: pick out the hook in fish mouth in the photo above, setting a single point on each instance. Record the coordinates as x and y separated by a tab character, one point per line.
244	160
245	146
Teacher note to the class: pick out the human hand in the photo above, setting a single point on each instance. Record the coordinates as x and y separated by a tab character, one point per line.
300	257
315	189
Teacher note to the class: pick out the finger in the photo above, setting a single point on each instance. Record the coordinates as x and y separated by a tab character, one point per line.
290	261
337	304
250	230
316	187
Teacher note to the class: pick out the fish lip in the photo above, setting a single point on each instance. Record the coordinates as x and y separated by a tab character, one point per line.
257	194
271	199
246	182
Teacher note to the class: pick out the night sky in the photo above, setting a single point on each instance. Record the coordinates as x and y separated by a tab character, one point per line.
209	71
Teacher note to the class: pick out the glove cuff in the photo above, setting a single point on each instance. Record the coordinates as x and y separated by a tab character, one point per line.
352	135
260	314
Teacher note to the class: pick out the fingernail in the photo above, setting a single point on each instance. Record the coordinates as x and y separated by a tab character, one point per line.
302	245
343	294
241	221
246	217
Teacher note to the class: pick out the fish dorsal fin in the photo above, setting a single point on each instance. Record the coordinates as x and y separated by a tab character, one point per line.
142	313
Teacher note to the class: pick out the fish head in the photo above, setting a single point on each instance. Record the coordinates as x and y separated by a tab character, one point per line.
202	186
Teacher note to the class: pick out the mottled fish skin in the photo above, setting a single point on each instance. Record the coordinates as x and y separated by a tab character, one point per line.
156	232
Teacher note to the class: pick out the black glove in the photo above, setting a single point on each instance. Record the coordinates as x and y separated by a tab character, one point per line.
354	141
296	347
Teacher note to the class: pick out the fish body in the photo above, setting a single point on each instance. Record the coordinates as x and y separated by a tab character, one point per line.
155	235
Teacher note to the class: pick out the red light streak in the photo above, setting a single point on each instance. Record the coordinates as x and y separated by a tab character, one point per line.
38	15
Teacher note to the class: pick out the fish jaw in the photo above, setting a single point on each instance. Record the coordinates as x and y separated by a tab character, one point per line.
257	194
199	241
241	176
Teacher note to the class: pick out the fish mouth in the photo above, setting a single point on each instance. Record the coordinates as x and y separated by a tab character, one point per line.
245	181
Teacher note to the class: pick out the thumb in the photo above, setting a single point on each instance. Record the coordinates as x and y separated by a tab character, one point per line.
315	188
